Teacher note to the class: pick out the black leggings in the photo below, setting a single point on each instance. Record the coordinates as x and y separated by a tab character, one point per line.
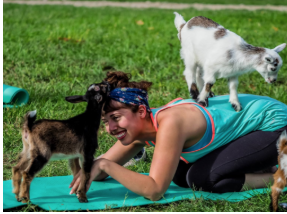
224	169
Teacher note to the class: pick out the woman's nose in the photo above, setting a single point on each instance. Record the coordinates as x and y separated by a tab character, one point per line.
112	126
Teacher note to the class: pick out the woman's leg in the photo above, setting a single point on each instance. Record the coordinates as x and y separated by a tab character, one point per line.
225	169
180	175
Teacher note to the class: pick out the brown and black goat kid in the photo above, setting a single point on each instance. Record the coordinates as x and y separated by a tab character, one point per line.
281	174
74	139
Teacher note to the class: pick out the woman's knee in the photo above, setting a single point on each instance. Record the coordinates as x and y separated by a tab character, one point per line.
213	182
198	180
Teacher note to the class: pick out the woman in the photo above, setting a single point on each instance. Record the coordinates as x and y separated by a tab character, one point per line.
214	149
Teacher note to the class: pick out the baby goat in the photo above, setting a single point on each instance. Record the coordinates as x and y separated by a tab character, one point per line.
210	51
75	138
281	174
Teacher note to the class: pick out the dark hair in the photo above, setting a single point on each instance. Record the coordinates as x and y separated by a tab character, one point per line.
119	79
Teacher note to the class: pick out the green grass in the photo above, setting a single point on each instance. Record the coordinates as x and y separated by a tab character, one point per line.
58	51
247	2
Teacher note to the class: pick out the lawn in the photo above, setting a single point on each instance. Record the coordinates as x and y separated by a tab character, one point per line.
58	51
247	2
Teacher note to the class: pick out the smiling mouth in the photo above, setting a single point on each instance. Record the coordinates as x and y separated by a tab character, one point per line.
121	135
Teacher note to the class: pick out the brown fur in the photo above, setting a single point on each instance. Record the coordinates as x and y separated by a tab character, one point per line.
179	32
75	166
201	21
220	33
229	55
194	91
208	87
75	136
279	175
251	49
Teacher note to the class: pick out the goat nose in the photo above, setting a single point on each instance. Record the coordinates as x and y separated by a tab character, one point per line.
275	65
273	80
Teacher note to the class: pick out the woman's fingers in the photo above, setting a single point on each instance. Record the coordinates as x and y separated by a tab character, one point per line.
75	178
75	185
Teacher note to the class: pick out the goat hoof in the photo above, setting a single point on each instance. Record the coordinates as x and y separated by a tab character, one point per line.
236	107
211	94
24	200
203	103
83	200
193	94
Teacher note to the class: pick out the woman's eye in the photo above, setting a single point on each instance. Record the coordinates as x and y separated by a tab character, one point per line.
116	118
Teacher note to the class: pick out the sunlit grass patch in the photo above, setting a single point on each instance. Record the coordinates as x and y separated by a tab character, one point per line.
58	51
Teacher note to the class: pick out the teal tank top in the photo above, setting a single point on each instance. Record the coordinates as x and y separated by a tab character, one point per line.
225	125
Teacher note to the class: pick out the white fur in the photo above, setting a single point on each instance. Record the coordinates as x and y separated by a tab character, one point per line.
206	59
282	137
91	87
283	164
278	189
279	180
32	113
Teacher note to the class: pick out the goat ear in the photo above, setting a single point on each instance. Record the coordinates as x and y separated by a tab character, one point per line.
280	48
75	99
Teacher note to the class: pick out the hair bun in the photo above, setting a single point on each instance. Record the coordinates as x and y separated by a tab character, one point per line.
119	79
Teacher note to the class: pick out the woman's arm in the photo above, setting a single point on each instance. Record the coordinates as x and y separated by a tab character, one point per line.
120	154
169	144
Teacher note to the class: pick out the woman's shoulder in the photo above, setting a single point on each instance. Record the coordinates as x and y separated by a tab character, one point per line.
180	115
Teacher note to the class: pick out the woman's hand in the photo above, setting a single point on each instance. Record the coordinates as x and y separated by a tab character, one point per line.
95	172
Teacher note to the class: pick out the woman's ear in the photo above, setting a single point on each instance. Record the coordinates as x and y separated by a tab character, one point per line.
142	111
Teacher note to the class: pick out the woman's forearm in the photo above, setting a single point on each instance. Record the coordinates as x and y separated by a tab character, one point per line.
140	184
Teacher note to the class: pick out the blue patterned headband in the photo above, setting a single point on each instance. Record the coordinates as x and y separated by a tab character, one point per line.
133	96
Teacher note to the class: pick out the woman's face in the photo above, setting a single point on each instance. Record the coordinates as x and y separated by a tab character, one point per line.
125	125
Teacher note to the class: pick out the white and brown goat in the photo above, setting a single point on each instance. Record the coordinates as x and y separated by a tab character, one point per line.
75	139
281	174
210	51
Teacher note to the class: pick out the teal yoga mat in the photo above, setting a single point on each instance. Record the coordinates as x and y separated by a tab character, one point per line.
52	193
13	96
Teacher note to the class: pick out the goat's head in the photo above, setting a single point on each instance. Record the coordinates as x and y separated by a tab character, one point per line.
96	94
270	63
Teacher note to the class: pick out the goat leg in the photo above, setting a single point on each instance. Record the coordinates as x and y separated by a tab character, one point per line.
81	192
75	166
193	91
86	174
203	96
233	97
276	189
17	174
35	165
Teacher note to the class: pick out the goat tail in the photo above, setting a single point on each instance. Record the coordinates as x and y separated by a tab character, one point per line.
29	119
178	21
